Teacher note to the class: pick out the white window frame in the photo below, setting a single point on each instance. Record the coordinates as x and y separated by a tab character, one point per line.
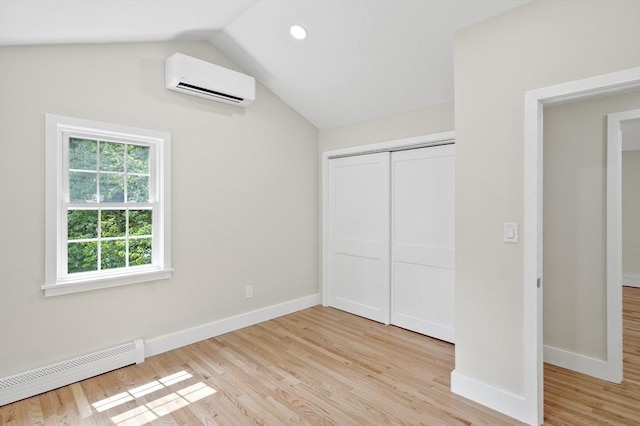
58	130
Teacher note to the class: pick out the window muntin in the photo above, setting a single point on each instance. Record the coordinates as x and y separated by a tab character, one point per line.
112	205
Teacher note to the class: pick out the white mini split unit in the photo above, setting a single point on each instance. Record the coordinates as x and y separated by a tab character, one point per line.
199	78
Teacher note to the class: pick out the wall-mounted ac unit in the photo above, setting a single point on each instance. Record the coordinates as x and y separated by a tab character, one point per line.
200	78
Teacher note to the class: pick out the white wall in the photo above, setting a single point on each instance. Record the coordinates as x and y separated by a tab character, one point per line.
245	208
496	62
574	218
631	214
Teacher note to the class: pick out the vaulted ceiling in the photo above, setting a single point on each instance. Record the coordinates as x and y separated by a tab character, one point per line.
363	59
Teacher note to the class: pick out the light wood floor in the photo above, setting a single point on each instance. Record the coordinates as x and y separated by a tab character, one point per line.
320	366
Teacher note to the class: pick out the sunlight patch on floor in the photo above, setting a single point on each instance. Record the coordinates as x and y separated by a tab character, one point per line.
159	407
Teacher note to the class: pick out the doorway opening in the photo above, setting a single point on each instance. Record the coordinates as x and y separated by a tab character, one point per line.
582	235
535	101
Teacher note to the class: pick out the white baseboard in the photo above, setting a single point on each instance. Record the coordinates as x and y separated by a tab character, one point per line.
581	363
631	280
497	399
176	340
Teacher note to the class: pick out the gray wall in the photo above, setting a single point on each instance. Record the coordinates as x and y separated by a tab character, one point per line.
574	218
424	121
245	208
537	45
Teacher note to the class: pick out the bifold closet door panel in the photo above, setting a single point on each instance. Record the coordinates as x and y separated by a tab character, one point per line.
359	235
422	240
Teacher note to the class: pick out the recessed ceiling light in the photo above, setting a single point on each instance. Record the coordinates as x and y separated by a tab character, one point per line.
298	32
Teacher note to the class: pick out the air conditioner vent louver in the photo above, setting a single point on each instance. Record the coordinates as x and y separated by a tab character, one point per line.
199	78
209	92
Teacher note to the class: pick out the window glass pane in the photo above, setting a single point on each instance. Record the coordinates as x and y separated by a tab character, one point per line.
113	254
137	159
112	156
140	222
82	224
82	187
82	154
140	251
138	189
82	257
111	187
113	223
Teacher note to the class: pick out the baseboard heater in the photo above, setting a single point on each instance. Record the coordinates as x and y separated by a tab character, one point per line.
43	379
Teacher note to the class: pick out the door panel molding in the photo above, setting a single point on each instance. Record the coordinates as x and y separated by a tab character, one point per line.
422	240
359	242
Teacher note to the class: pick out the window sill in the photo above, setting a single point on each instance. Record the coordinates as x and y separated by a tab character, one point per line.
77	286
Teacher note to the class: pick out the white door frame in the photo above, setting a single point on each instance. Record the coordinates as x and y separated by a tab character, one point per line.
394	145
533	175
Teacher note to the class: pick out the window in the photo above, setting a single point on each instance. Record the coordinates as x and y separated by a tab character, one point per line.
107	205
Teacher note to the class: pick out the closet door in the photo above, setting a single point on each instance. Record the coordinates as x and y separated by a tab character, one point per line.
422	248
359	235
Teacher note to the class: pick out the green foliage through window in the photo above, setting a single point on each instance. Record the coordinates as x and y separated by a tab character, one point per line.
83	154
114	254
111	188
112	156
140	222
138	159
113	223
138	187
140	251
82	257
125	238
82	224
102	171
82	187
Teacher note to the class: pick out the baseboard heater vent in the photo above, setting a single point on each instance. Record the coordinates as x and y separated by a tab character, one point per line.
43	379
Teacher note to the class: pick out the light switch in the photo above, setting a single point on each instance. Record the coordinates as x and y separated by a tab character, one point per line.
510	232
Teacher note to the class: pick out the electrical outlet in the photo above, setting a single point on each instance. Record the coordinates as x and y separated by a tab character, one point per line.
249	291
